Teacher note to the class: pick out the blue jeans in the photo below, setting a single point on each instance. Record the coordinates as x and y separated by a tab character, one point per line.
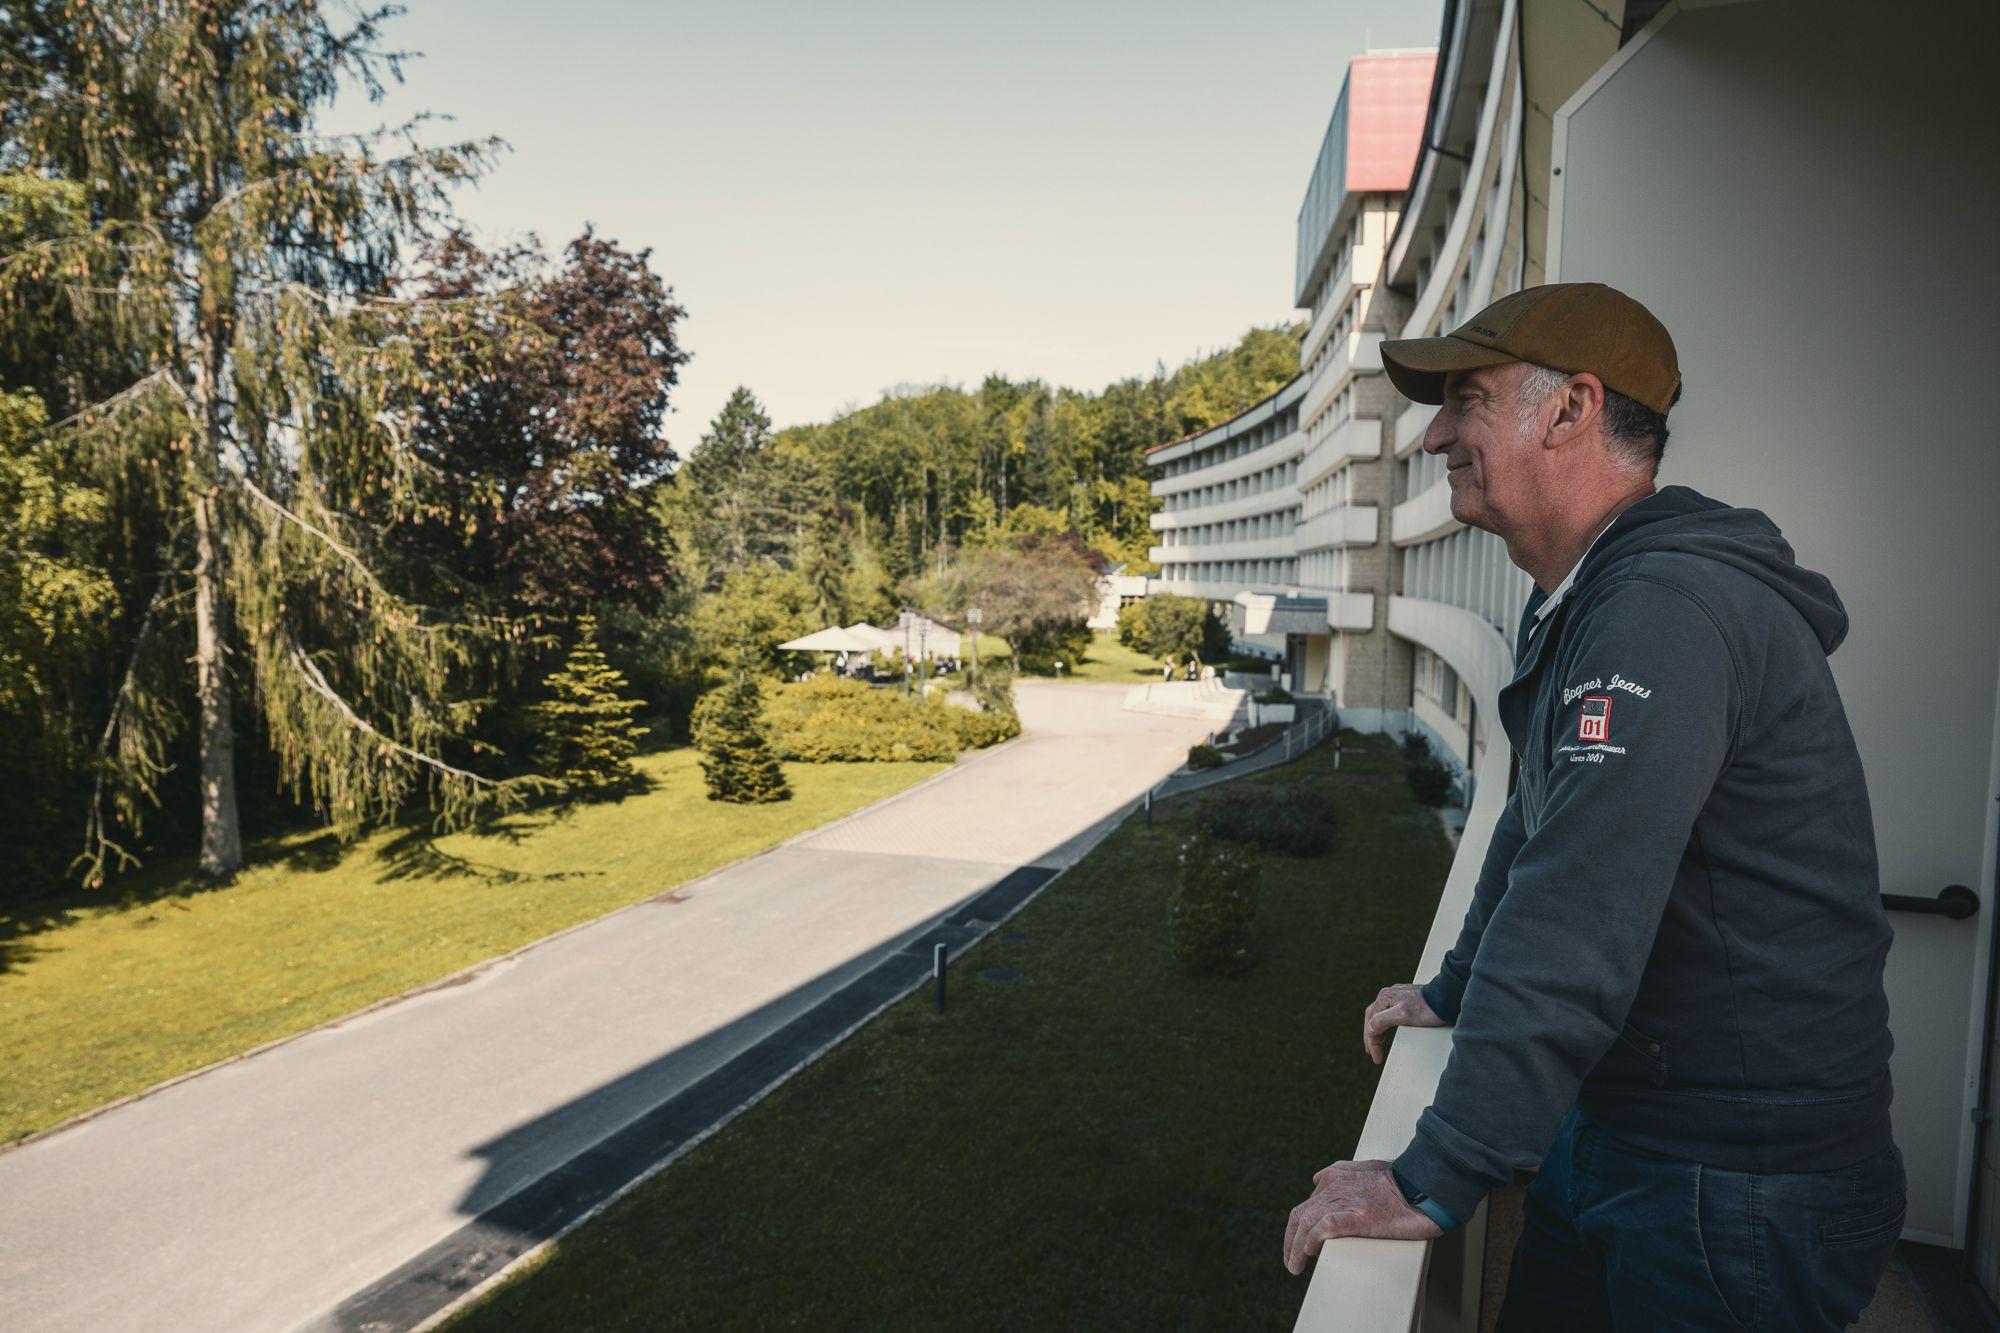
1617	1238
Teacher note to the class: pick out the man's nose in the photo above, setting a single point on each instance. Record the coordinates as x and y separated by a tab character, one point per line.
1442	433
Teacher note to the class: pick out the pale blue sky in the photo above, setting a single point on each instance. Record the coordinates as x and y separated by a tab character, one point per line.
847	196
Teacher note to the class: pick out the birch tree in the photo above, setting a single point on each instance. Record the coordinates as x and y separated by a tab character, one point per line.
254	271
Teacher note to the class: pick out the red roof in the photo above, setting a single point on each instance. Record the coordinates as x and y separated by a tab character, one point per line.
1387	96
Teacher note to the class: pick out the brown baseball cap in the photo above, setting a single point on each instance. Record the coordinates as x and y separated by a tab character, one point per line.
1566	326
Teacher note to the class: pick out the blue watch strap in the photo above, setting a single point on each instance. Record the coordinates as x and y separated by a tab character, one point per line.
1423	1202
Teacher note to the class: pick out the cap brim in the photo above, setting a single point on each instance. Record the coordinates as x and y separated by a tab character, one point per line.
1417	366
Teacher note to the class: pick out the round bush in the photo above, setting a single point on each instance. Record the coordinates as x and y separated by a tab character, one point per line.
1292	821
1211	913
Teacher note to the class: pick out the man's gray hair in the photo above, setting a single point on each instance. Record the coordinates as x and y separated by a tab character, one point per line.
1634	435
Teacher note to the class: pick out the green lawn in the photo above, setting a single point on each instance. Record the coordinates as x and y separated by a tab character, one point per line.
1105	1143
101	997
1105	660
1110	660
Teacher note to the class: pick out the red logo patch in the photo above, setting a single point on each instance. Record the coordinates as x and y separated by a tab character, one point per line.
1595	722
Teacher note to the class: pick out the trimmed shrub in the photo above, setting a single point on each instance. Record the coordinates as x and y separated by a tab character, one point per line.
1292	821
1212	910
1430	781
736	754
829	720
977	730
1274	695
1204	756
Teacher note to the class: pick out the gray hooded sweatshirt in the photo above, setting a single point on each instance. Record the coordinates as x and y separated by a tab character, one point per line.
1678	924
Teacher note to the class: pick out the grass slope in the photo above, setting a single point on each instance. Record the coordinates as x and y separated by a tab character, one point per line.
1106	660
1105	1143
101	998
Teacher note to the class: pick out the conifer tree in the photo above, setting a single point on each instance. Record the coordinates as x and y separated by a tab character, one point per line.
251	271
588	736
736	754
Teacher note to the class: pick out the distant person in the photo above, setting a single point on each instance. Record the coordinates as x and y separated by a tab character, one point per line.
1194	666
1667	992
1168	675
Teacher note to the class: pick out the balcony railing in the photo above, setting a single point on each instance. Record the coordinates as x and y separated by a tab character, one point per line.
1361	263
1360	348
1276	451
1347	525
1356	438
1245	548
1423	516
1273	500
1432	1285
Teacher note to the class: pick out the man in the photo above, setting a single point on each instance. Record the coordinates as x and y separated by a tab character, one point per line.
1668	988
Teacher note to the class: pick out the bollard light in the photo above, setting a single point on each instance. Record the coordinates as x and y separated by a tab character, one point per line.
938	960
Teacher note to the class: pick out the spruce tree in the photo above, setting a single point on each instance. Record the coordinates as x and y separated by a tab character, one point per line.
736	754
587	733
250	271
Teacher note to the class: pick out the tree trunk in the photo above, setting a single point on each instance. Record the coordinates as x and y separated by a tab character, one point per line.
221	832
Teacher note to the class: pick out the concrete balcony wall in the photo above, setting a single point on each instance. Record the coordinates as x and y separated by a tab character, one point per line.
1362	263
1360	349
1277	500
1357	438
1351	611
1380	1284
1424	516
1349	525
1254	548
1281	450
1216	590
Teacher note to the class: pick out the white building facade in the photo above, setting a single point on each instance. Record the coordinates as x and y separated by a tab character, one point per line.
1704	156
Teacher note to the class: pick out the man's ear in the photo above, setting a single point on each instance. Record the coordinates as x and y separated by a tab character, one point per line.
1579	404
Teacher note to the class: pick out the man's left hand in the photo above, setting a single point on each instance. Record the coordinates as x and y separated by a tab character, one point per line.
1352	1199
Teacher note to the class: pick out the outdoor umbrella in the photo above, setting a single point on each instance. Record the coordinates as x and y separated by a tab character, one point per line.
833	640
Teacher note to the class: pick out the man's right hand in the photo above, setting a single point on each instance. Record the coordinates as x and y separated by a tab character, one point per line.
1395	1007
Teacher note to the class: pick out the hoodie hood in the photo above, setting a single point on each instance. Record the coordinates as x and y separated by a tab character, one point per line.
1678	518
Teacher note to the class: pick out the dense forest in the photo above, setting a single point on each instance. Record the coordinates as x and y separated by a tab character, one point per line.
304	494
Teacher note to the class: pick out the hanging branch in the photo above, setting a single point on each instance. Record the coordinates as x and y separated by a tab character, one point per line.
317	681
136	763
367	574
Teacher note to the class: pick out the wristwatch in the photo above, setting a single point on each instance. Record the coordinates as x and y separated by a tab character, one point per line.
1423	1202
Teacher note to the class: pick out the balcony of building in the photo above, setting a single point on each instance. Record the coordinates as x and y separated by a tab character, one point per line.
1276	499
1423	517
1357	350
1357	438
1345	525
1280	450
1248	548
1357	267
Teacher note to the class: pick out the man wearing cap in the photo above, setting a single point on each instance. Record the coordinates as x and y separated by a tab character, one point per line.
1668	989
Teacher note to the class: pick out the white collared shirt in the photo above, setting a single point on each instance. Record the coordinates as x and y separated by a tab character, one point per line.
1542	611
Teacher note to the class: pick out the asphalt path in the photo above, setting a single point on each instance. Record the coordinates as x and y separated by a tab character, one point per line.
365	1172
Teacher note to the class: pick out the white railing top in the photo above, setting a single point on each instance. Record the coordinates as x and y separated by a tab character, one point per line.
1378	1284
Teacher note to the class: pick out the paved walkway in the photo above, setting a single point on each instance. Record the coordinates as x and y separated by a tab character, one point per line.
270	1193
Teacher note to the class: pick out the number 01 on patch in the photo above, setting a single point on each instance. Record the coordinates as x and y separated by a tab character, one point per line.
1595	722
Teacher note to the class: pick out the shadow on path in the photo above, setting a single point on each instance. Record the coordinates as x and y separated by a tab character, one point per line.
518	1204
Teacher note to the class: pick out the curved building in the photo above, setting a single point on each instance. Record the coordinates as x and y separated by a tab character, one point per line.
1724	161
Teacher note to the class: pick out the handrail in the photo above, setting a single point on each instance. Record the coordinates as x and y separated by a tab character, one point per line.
1953	900
1392	1284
